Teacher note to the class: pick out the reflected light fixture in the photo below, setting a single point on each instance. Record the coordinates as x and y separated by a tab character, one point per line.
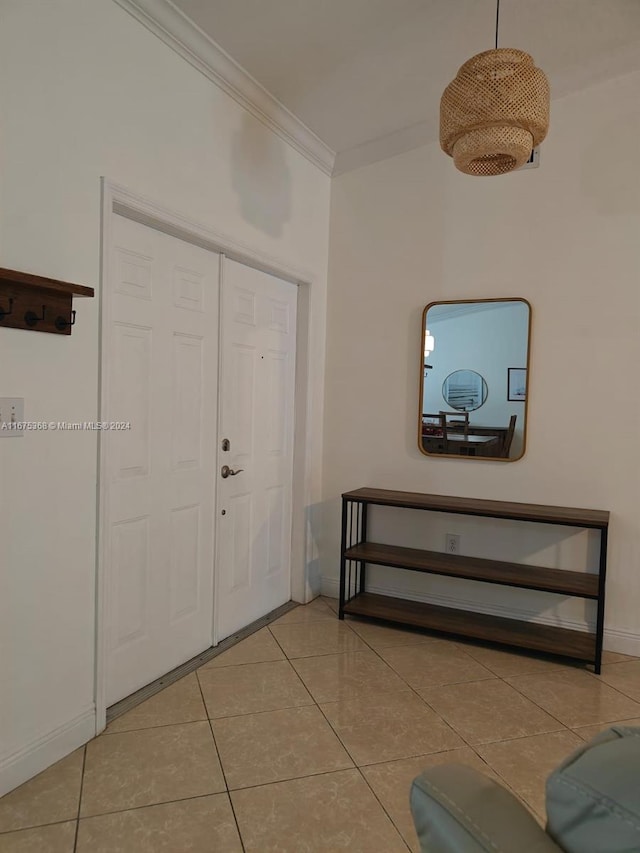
429	344
495	111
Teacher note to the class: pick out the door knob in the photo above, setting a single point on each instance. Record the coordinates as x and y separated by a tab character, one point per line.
225	472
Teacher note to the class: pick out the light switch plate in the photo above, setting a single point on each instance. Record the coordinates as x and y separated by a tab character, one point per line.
11	417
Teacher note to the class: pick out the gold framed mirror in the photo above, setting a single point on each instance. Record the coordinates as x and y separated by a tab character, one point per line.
474	359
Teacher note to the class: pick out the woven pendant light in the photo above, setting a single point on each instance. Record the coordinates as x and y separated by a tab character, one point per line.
494	112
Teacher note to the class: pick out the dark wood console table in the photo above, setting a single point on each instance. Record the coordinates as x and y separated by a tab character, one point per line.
357	552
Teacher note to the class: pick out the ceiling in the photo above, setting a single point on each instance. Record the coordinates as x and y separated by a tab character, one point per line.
366	75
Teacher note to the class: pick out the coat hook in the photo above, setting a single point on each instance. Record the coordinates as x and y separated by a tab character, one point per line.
61	323
31	318
4	313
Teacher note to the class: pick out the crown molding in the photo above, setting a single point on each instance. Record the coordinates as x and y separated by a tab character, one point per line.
619	62
444	311
170	25
383	147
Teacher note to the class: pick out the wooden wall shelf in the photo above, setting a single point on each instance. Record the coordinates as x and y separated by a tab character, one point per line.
36	303
357	552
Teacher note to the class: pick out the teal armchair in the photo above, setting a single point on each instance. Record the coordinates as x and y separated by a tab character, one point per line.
592	800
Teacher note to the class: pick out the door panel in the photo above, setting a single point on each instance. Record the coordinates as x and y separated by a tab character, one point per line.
130	570
258	349
184	583
131	390
187	396
162	378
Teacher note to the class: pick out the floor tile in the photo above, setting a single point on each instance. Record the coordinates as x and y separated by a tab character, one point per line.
347	676
253	687
203	825
319	814
50	797
389	726
430	664
624	676
576	698
260	748
525	763
508	663
485	711
59	838
391	783
589	732
317	638
616	657
178	703
316	611
149	766
333	603
257	648
383	636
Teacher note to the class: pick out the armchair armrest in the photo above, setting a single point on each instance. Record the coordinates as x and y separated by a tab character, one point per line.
456	809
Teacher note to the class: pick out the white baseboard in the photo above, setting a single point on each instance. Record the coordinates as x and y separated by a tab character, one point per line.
615	639
625	642
330	587
27	762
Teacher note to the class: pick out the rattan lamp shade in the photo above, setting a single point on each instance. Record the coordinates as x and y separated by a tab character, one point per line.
494	112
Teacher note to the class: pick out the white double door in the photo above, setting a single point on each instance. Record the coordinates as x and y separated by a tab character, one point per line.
173	529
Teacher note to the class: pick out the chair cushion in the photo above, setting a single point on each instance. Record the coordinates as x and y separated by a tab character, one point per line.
457	809
593	798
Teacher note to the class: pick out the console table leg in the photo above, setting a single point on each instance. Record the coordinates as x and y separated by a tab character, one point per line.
363	538
343	562
601	589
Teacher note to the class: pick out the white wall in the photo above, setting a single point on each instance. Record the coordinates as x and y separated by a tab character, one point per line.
87	91
411	230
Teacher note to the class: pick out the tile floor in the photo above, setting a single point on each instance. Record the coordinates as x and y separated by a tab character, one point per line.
306	736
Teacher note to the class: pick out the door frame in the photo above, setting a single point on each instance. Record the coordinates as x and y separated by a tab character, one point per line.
117	199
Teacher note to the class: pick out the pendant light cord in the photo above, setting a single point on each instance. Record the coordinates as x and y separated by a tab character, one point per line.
497	20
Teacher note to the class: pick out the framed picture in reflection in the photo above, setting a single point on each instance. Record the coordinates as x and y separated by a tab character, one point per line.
516	384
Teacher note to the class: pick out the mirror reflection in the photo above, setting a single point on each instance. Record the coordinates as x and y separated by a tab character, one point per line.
475	358
464	390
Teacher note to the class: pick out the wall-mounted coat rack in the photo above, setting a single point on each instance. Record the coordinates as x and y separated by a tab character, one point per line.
38	304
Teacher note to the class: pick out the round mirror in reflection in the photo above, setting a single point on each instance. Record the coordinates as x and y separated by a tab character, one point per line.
464	390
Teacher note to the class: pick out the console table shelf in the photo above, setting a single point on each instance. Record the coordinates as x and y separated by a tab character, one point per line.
481	626
357	552
580	584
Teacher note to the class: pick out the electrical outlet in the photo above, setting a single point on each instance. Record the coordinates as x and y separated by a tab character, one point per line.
11	417
452	543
